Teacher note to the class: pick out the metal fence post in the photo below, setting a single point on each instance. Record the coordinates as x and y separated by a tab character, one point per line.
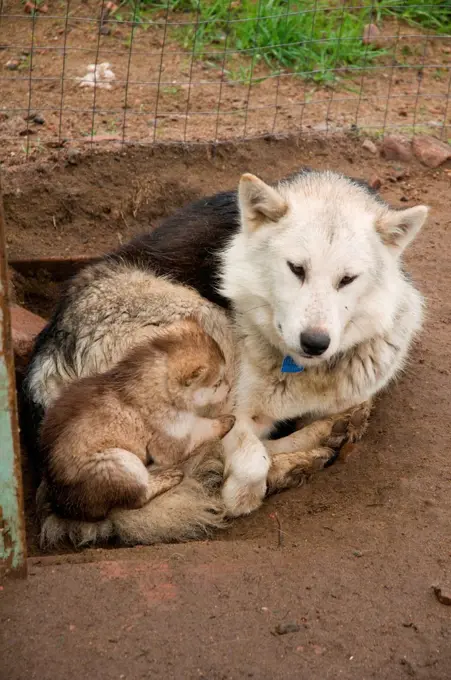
12	521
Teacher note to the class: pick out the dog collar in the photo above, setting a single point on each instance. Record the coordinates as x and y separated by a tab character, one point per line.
290	366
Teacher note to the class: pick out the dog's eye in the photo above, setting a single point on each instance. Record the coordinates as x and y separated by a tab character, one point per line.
298	270
346	280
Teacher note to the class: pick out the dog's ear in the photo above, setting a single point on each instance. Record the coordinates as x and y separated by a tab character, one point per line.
259	203
398	228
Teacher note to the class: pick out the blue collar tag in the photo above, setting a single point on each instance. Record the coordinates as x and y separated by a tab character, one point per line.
290	366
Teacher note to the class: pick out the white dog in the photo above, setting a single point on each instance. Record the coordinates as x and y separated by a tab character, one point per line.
315	276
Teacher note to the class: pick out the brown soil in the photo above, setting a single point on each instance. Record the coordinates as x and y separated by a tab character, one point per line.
161	93
359	547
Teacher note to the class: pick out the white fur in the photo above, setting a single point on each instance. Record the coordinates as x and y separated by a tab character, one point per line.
333	228
185	424
180	424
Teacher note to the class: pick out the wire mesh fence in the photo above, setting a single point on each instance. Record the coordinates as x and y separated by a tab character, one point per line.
84	71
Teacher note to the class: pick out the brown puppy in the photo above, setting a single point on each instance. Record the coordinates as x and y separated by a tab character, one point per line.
100	434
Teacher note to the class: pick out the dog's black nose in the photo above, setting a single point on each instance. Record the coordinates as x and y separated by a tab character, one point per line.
314	342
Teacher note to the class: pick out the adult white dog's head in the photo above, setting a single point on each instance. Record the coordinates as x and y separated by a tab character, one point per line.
316	265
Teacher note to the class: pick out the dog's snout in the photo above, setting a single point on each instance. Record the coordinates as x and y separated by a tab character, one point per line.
314	341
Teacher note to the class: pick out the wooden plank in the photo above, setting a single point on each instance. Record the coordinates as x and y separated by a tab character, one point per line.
12	521
58	268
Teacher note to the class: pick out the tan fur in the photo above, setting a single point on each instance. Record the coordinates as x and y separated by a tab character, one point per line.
103	431
192	509
115	308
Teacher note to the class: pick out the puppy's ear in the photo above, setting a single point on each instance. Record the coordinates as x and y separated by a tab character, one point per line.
193	375
259	203
398	228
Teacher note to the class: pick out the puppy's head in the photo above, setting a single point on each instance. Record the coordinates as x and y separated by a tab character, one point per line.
196	367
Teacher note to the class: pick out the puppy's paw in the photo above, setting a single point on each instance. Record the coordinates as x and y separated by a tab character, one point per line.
225	424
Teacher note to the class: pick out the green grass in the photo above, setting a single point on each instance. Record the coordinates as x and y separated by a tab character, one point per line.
434	15
309	37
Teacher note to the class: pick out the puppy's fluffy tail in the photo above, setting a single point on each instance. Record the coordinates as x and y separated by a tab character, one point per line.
193	509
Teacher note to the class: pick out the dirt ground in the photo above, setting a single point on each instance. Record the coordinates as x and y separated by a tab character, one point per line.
161	93
359	547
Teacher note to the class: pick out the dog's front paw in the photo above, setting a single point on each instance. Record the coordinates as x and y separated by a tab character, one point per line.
242	498
359	420
289	470
348	427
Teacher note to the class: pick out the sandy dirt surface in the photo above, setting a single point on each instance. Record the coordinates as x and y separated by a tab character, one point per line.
359	547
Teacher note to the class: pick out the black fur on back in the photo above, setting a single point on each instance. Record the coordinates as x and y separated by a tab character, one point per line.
187	244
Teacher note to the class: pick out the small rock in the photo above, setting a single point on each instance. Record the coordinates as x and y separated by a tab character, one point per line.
411	624
431	151
12	64
40	120
73	156
369	146
396	148
375	183
443	596
371	35
400	173
284	628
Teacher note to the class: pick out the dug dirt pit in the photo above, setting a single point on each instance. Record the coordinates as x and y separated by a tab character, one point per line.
349	559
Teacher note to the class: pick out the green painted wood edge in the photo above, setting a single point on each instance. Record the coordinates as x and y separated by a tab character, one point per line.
12	521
